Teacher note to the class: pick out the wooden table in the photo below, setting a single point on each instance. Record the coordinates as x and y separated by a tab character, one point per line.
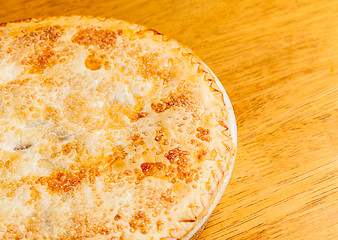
278	61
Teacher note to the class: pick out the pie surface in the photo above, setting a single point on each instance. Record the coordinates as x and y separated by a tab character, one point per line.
108	130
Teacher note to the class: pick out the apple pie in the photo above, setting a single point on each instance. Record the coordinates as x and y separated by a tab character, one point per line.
108	130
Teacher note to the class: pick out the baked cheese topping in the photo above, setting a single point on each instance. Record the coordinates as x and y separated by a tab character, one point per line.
108	130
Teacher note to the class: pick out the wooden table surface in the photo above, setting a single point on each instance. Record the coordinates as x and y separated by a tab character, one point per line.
278	61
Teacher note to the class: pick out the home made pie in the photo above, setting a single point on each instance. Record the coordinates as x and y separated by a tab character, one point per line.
108	130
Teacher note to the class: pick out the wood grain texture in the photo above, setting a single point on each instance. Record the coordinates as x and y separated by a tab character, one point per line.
278	61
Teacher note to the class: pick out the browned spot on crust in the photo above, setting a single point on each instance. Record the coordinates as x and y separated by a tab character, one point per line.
128	172
153	169
13	185
188	175
201	154
46	58
35	194
102	39
159	107
68	147
136	140
175	154
152	67
140	222
175	99
9	161
203	134
159	135
85	172
159	225
119	32
117	217
167	196
49	34
50	82
13	229
10	86
61	182
93	62
178	158
181	99
37	47
40	37
135	117
51	113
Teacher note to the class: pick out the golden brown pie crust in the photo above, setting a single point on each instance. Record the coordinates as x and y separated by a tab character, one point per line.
108	130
